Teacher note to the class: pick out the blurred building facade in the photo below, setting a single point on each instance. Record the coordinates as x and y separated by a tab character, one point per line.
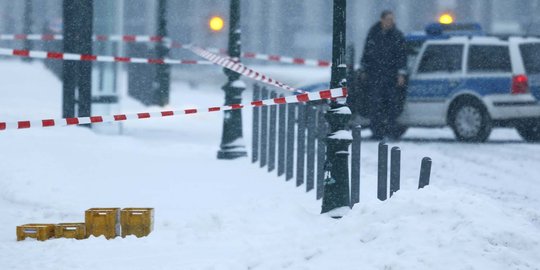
300	27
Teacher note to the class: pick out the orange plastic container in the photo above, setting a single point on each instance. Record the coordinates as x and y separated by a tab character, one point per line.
103	221
71	230
40	232
137	221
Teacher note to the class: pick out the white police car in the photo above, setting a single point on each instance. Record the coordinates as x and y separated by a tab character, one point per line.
473	84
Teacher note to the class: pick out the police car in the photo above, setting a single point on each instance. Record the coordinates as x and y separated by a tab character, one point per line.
472	83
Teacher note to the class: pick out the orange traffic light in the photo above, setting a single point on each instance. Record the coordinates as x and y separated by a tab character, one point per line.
216	24
446	18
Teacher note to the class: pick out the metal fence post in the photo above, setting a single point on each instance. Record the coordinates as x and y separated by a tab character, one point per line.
291	119
311	136
355	165
322	131
281	138
425	173
395	170
264	129
272	136
382	173
256	125
301	145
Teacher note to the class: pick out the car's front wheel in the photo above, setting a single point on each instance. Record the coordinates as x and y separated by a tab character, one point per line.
529	130
470	121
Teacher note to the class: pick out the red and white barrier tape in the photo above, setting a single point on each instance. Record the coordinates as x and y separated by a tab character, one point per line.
173	44
96	58
238	67
322	95
285	59
265	57
52	37
213	59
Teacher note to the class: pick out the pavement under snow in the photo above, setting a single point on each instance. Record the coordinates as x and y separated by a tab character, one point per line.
482	210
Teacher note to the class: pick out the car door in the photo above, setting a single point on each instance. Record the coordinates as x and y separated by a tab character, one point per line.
438	73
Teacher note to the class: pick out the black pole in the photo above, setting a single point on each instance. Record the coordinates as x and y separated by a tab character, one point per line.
382	173
282	115
289	156
395	170
336	189
28	10
78	29
351	78
256	125
163	72
231	140
272	136
425	173
355	165
85	73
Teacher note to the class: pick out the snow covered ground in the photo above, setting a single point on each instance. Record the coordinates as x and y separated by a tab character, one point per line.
482	210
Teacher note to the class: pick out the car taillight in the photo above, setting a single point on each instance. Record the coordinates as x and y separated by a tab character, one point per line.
520	84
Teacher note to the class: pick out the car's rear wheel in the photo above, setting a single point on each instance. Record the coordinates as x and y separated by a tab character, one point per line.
470	121
529	130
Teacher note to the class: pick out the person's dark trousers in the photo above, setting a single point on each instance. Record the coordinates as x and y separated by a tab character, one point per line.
385	108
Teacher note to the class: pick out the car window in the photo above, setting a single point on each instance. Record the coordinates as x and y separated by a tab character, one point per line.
441	58
486	58
530	54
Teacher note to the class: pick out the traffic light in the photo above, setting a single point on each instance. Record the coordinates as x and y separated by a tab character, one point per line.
216	24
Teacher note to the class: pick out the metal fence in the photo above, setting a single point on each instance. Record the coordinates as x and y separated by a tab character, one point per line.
288	140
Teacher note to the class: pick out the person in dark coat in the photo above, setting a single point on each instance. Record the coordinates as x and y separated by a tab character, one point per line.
383	72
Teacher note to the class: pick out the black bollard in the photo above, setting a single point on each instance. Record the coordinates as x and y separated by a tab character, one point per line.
281	138
337	180
311	137
289	156
264	129
395	170
301	145
425	173
382	173
256	125
272	136
355	165
322	131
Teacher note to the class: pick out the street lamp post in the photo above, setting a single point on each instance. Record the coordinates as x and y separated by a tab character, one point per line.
336	185
232	145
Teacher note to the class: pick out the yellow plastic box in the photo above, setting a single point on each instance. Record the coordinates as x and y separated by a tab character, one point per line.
40	232
71	230
137	221
103	221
